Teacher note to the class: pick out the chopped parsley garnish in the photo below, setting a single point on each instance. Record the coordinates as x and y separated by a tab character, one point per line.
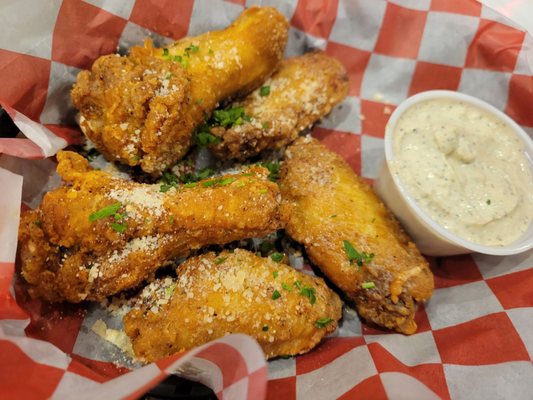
219	182
286	287
38	223
276	295
264	91
333	216
265	328
229	117
202	174
266	246
277	257
171	219
168	181
275	274
184	63
169	290
368	285
488	202
298	285
220	260
204	137
190	184
105	212
263	190
191	49
119	227
210	183
92	154
323	322
354	256
273	167
226	181
165	52
266	125
309	292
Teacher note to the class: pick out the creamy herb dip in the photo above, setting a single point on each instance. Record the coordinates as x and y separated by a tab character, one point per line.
466	168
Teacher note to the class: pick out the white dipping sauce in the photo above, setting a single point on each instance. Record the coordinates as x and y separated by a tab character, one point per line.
466	168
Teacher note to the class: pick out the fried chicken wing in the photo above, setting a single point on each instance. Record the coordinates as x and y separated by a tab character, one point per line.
286	311
98	235
302	91
142	109
352	237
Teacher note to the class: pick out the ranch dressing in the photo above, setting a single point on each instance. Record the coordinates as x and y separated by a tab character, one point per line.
466	168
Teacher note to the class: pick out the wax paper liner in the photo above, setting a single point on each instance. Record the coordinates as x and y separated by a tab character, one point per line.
475	335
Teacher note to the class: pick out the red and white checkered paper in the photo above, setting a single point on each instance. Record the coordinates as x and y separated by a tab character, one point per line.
475	337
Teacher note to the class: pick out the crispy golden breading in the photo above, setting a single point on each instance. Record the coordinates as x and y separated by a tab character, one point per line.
142	109
301	92
286	311
331	204
70	253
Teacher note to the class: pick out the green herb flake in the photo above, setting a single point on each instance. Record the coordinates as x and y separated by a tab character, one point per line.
488	202
333	216
169	290
226	181
199	101
266	125
220	260
165	187
286	286
165	52
323	322
266	246
38	223
210	51
264	91
210	183
265	328
92	154
310	293
276	295
273	169
354	256
277	257
105	212
298	285
191	49
275	274
204	137
368	285
263	190
190	184
171	219
119	227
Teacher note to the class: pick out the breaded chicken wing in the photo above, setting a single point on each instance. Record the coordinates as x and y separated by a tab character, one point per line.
352	237
142	109
302	91
98	235
286	311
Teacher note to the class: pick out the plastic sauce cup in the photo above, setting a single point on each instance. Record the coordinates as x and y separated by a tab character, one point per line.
431	237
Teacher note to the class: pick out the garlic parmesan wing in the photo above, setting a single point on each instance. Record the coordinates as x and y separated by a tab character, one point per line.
142	109
98	235
286	311
352	237
302	91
